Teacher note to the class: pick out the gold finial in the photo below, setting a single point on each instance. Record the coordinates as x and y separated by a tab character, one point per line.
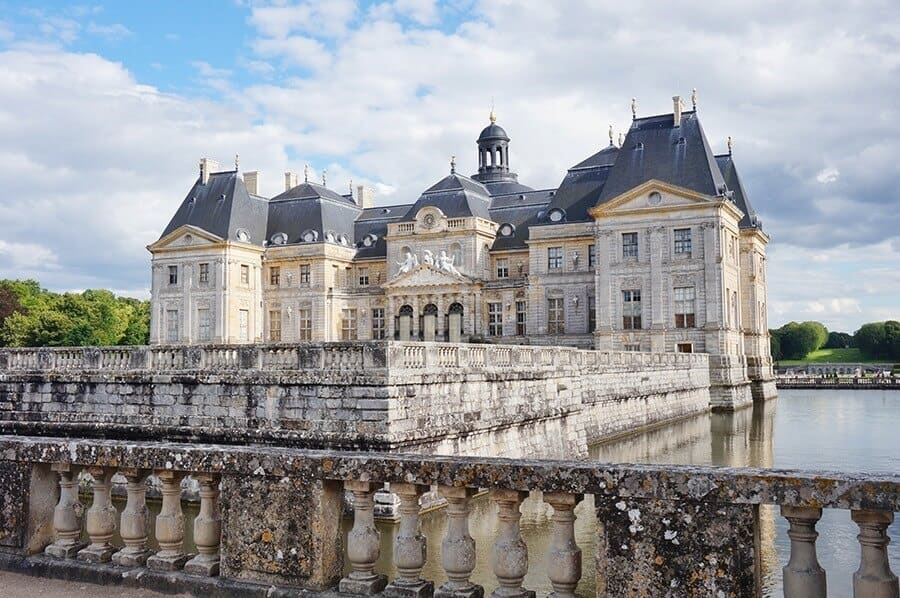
610	135
324	174
621	139
694	98
306	173
493	115
633	108
453	160
730	144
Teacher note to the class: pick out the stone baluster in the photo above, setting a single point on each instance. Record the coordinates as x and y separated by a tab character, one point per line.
67	515
169	525
101	518
510	552
564	556
409	546
135	521
874	578
803	576
207	529
458	547
363	543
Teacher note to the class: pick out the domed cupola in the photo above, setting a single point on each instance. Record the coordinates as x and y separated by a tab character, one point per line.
493	154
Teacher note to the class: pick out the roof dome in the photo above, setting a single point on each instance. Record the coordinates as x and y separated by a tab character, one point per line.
493	131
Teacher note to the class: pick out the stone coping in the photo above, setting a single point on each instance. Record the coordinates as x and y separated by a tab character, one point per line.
660	482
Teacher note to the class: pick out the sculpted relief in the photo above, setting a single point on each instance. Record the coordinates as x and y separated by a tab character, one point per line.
442	262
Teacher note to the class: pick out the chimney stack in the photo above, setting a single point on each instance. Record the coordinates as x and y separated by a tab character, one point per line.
290	180
251	181
207	166
365	196
678	107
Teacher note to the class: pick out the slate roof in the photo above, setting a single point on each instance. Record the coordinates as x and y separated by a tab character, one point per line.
221	207
493	131
457	196
310	206
581	188
741	200
375	221
522	210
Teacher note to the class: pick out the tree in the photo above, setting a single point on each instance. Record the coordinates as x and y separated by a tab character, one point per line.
892	339
774	345
821	334
137	332
839	340
799	340
870	339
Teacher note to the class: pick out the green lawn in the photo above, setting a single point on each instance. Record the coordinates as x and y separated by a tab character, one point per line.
832	356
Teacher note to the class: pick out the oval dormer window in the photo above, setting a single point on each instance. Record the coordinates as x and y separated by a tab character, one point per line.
330	237
310	236
243	235
369	240
343	240
507	230
654	199
557	215
279	239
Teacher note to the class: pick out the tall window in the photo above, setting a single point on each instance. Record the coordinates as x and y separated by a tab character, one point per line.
495	319
683	241
244	324
304	273
684	307
378	328
554	258
502	267
173	274
275	276
629	244
592	313
275	325
245	274
204	325
172	325
304	317
363	277
592	255
631	309
348	324
521	318
204	273
556	316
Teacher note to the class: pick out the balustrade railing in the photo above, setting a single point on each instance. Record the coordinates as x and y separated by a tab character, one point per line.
871	501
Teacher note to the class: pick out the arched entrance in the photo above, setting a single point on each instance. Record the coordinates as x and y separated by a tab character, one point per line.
429	322
455	323
404	323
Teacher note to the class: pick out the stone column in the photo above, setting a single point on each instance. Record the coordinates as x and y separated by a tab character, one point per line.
510	552
169	525
363	543
207	529
564	556
874	578
135	521
101	518
409	546
67	515
458	547
803	576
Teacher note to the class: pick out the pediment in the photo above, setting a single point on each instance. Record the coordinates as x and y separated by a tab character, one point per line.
424	275
652	196
184	237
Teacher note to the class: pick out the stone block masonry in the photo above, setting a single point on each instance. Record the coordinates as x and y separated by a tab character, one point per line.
421	397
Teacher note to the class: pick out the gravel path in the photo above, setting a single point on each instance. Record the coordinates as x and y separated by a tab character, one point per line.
13	585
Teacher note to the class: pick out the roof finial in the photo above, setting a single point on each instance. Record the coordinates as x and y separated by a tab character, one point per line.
351	188
730	144
453	162
306	173
324	175
610	135
694	98
633	108
493	115
621	139
237	162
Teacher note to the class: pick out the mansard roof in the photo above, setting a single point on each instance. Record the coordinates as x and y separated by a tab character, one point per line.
741	199
455	195
521	210
581	188
312	207
222	207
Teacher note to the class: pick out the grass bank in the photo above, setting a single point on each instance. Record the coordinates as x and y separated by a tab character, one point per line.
833	356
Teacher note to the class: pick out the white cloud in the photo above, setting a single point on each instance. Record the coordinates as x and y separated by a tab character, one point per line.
27	256
828	175
114	31
424	12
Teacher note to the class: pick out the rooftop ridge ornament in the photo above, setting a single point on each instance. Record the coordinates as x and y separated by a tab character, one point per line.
730	145
633	108
237	162
611	135
493	115
324	175
351	188
621	139
306	173
453	163
694	98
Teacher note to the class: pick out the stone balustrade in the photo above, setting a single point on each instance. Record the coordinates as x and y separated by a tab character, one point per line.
271	517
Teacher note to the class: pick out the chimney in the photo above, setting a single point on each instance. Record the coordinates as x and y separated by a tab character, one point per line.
207	166
290	180
365	196
251	181
678	107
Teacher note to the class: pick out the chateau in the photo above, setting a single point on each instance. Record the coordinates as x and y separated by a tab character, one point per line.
648	245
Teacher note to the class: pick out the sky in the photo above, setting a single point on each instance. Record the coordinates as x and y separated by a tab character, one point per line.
107	107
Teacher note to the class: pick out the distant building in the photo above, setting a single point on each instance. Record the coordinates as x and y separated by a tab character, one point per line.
652	245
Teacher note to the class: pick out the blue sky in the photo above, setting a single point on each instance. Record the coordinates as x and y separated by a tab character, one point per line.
106	107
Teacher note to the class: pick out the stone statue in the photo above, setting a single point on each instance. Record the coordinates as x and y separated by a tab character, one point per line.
428	257
445	263
409	262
